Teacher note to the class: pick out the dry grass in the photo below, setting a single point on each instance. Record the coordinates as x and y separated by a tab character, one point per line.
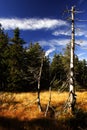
82	100
23	106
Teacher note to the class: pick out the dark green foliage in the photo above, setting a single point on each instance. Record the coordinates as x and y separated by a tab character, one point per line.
34	56
45	78
16	39
60	69
57	67
3	58
57	70
20	67
16	62
81	73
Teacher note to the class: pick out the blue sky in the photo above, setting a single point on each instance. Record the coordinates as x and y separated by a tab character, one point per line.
44	21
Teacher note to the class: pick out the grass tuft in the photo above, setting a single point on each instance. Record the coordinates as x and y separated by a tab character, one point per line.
19	111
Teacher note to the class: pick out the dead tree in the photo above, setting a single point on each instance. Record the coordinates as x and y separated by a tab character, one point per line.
39	79
36	77
72	48
49	102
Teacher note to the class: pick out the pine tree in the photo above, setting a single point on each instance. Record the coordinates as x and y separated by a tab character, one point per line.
16	62
3	58
57	70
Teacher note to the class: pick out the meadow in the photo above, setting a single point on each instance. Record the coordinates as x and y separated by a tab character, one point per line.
19	111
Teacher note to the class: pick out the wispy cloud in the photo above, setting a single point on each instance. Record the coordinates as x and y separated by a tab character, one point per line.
78	33
81	54
53	44
61	32
31	23
81	32
82	43
52	49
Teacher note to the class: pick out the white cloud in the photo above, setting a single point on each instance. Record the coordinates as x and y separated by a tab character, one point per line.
52	49
61	32
81	54
82	43
31	23
53	45
68	33
48	43
54	42
80	31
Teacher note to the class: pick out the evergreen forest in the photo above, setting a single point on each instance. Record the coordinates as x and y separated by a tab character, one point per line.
20	66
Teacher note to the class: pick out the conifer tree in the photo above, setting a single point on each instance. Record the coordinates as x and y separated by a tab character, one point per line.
3	58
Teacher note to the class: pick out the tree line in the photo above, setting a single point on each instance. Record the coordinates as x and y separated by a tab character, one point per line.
20	66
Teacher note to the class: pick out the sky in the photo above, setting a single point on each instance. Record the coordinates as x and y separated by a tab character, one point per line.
47	22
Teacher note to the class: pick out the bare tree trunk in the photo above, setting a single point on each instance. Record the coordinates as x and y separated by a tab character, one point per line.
39	78
72	85
38	97
48	105
49	102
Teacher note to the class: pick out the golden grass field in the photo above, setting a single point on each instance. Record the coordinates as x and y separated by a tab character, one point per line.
20	111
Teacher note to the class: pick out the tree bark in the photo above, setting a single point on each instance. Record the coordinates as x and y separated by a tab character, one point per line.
39	78
72	84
